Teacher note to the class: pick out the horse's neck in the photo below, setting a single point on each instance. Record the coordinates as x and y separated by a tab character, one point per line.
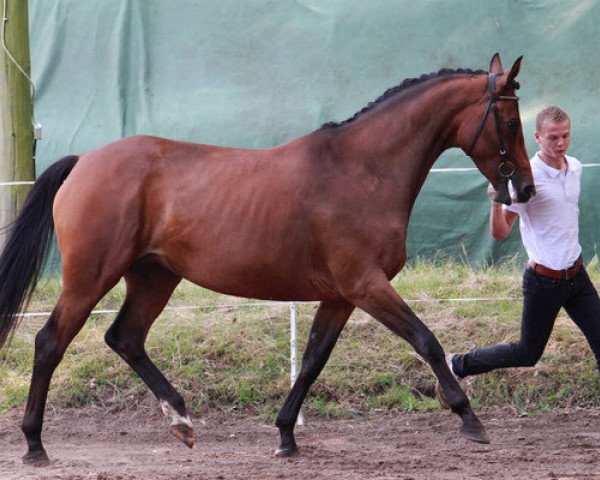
404	138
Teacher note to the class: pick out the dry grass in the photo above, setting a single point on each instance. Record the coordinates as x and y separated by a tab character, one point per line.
229	353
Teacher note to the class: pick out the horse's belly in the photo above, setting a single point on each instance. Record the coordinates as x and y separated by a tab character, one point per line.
249	283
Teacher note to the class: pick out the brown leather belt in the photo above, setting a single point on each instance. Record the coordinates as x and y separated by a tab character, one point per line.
565	274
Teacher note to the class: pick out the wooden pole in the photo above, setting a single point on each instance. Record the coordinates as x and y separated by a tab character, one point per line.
16	109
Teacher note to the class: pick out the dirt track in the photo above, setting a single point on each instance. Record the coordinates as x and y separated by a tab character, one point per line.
94	444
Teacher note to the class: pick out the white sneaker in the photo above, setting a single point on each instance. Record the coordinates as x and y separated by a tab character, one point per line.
449	357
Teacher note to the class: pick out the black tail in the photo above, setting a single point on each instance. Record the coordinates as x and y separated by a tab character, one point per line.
27	245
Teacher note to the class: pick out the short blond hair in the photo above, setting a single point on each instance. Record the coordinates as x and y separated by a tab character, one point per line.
552	113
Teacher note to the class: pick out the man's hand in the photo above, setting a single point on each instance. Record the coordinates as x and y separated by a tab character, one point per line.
501	220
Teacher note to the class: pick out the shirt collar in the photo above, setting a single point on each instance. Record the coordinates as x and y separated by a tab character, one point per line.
548	170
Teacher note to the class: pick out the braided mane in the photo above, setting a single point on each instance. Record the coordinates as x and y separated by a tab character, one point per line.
405	85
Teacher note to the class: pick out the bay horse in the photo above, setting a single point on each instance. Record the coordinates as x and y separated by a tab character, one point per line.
323	217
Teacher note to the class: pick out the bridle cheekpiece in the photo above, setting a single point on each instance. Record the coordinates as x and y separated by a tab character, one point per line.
506	167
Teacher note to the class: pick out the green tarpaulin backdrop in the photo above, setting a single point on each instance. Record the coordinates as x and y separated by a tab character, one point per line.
257	73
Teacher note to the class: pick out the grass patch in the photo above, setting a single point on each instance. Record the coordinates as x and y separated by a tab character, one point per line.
228	353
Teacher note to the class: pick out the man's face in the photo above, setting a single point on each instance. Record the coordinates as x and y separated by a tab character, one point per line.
554	139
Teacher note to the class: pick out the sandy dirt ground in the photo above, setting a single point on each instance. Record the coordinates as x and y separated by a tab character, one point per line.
100	445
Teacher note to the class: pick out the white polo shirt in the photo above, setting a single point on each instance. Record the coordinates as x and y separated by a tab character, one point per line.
549	222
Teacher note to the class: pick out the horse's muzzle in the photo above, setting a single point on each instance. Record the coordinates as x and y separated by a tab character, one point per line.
524	191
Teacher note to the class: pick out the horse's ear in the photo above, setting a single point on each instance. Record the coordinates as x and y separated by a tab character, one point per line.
514	71
496	64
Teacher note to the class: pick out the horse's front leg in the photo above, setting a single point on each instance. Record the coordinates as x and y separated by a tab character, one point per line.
377	297
327	325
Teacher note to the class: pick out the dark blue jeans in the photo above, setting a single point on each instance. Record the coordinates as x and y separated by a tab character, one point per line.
543	297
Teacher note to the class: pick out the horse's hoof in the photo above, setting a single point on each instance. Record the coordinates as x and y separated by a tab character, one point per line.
184	432
36	458
284	452
475	433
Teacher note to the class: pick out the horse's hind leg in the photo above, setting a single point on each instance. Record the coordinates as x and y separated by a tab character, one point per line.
327	325
149	287
67	318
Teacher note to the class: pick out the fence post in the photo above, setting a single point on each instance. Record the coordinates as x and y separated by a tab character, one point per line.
16	109
294	354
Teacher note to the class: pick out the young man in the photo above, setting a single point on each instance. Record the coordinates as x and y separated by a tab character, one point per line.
555	276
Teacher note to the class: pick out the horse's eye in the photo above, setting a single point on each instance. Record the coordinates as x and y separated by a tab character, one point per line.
513	126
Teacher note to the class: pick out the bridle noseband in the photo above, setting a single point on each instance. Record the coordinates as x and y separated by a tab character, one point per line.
506	168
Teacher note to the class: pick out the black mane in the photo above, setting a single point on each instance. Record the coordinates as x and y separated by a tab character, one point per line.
406	84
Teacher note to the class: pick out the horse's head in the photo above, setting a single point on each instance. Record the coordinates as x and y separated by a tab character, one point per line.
493	137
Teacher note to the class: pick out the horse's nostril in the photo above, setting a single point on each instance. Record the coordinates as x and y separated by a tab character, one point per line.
527	192
530	191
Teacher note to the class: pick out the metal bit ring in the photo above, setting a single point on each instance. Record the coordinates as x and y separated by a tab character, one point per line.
506	169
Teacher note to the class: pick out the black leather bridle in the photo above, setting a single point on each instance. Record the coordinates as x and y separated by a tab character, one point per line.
506	167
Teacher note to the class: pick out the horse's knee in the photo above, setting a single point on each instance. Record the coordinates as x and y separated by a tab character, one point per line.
427	345
311	365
